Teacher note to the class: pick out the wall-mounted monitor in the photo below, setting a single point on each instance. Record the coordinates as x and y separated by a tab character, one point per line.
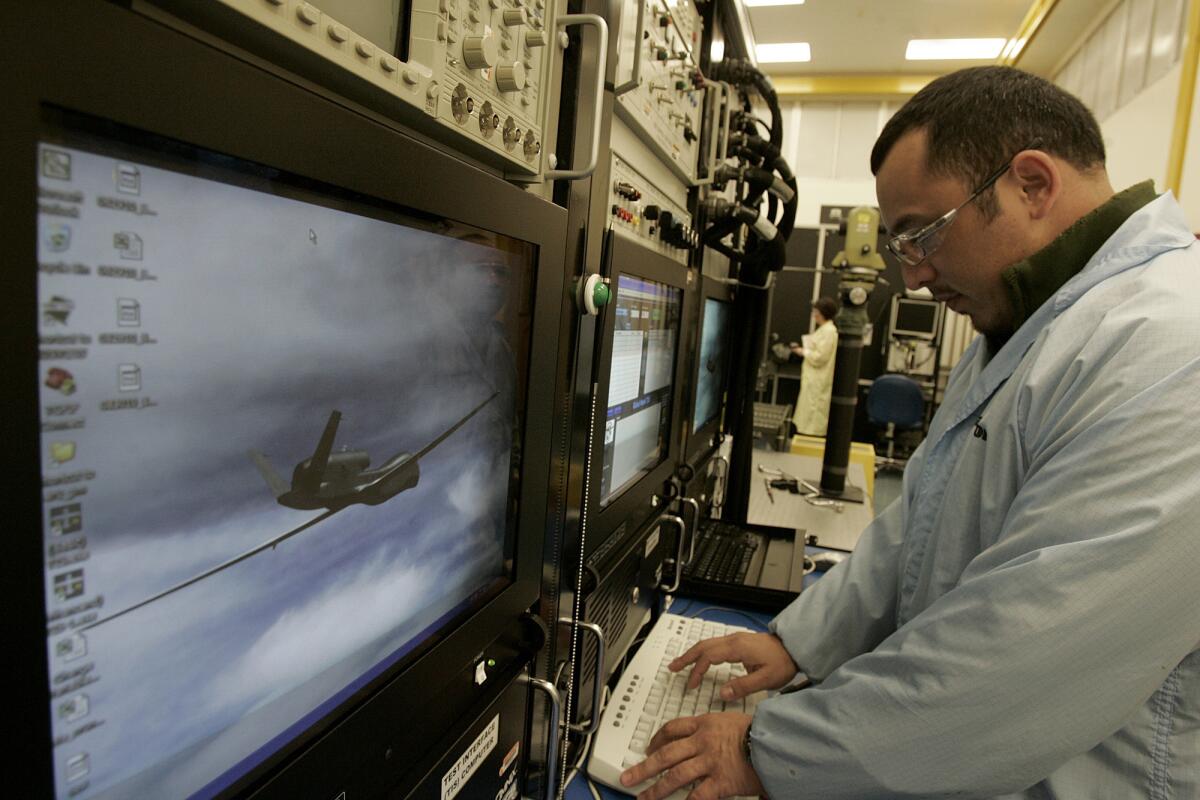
915	318
272	406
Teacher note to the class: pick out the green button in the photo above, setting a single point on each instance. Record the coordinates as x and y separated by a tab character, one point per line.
601	294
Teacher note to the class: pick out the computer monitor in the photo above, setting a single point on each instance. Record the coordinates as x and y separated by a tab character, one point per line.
711	366
270	422
641	385
914	318
638	379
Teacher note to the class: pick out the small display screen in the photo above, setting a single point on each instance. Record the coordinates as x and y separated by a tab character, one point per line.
377	20
713	361
280	432
915	318
641	382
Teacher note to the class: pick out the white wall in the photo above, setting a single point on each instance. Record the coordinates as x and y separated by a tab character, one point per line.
1127	70
828	145
1138	135
1189	185
1138	139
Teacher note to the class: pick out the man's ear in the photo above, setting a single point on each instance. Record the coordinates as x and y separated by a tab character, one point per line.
1038	180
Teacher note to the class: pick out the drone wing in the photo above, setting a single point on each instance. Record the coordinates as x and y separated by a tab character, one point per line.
309	481
214	570
425	450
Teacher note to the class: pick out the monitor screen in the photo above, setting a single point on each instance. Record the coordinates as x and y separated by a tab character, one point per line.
641	381
712	360
279	428
915	318
377	20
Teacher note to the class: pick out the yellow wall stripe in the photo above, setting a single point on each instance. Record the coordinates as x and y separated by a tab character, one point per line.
849	85
1183	104
1034	18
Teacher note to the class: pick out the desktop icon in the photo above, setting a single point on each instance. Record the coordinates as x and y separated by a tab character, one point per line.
71	648
68	584
74	708
128	179
129	378
56	237
79	766
129	312
57	310
128	245
60	380
56	164
67	519
62	452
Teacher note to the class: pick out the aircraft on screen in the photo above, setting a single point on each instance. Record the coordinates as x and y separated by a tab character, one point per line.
333	481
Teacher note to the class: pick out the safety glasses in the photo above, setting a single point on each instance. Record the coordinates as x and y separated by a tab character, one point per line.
913	247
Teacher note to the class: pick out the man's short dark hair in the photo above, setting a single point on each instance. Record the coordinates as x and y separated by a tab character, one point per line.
827	306
978	117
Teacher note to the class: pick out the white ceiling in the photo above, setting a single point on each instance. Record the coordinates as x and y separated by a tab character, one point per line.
869	36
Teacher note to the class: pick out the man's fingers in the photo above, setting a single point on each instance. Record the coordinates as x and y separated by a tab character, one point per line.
747	684
676	777
714	651
706	789
662	759
691	655
698	671
675	729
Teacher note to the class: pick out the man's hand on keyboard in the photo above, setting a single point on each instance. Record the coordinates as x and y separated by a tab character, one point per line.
706	750
768	664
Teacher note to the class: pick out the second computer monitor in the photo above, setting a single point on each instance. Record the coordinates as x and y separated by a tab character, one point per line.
915	318
710	371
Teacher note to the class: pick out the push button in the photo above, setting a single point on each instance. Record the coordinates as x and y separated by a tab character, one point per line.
308	13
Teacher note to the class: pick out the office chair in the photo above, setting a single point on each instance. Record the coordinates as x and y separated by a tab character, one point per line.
894	403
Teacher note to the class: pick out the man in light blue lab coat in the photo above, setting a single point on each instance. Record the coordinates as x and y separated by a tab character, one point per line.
1024	621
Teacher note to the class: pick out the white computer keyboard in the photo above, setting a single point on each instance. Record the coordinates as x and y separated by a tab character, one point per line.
649	695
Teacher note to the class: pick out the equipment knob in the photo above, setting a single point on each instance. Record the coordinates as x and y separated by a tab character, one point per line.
514	16
535	38
511	77
665	220
481	52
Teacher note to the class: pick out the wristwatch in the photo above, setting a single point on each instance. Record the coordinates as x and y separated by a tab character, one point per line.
746	747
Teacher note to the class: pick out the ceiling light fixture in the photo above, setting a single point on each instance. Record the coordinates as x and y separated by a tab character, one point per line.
754	3
783	53
953	49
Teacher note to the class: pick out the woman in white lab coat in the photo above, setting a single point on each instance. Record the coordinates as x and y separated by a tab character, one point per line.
816	376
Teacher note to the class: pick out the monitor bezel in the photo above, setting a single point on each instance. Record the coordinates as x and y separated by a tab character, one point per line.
702	442
930	336
291	127
632	506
